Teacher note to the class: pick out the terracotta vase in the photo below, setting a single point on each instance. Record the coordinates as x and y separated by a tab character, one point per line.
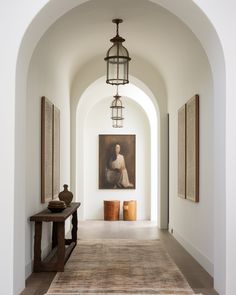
66	195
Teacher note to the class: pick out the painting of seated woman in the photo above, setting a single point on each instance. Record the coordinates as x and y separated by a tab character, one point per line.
116	161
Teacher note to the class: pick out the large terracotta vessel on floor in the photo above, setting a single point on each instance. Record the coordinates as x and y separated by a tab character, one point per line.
130	210
111	210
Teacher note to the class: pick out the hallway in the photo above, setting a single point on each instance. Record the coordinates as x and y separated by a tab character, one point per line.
197	277
178	49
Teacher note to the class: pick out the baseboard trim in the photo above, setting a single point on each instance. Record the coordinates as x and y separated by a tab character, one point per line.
28	269
197	255
29	266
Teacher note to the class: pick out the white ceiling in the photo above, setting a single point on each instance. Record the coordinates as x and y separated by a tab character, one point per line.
150	31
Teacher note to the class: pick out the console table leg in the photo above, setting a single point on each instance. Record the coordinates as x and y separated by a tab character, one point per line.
74	227
54	235
37	246
61	246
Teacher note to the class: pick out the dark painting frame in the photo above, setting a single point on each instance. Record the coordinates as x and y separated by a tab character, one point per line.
111	177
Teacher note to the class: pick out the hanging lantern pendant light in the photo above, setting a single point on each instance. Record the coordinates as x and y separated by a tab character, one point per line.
117	59
117	111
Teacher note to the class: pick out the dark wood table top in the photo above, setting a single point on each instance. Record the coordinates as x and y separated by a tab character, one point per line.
47	216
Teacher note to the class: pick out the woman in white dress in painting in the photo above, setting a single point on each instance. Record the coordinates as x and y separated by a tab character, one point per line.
116	172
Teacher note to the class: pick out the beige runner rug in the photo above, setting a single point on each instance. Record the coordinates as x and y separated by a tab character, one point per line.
120	267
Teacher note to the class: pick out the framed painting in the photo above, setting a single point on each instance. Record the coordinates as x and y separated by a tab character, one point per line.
192	149
46	150
50	150
56	152
182	152
117	161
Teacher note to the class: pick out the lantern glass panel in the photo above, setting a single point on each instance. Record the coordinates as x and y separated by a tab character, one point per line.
117	71
117	123
117	59
117	113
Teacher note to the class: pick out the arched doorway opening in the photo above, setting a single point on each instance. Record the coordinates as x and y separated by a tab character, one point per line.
147	146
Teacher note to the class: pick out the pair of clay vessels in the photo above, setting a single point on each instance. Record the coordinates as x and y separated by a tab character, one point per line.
66	195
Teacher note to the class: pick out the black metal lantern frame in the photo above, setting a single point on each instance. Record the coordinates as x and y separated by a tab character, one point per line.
117	59
117	112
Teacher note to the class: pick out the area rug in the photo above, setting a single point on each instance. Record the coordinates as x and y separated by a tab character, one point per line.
120	267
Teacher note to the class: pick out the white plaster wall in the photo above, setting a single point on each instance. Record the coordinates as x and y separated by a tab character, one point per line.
44	79
12	30
98	122
218	44
193	224
222	15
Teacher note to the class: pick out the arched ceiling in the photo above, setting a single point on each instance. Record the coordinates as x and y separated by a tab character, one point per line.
88	100
151	32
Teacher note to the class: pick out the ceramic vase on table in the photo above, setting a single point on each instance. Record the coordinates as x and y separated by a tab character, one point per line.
66	195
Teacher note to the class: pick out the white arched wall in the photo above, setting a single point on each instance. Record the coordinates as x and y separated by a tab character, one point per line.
30	27
148	184
136	122
44	79
193	223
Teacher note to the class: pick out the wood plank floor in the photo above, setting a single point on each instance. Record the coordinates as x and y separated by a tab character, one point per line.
198	278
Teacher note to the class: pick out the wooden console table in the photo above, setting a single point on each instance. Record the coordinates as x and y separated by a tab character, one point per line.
61	247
